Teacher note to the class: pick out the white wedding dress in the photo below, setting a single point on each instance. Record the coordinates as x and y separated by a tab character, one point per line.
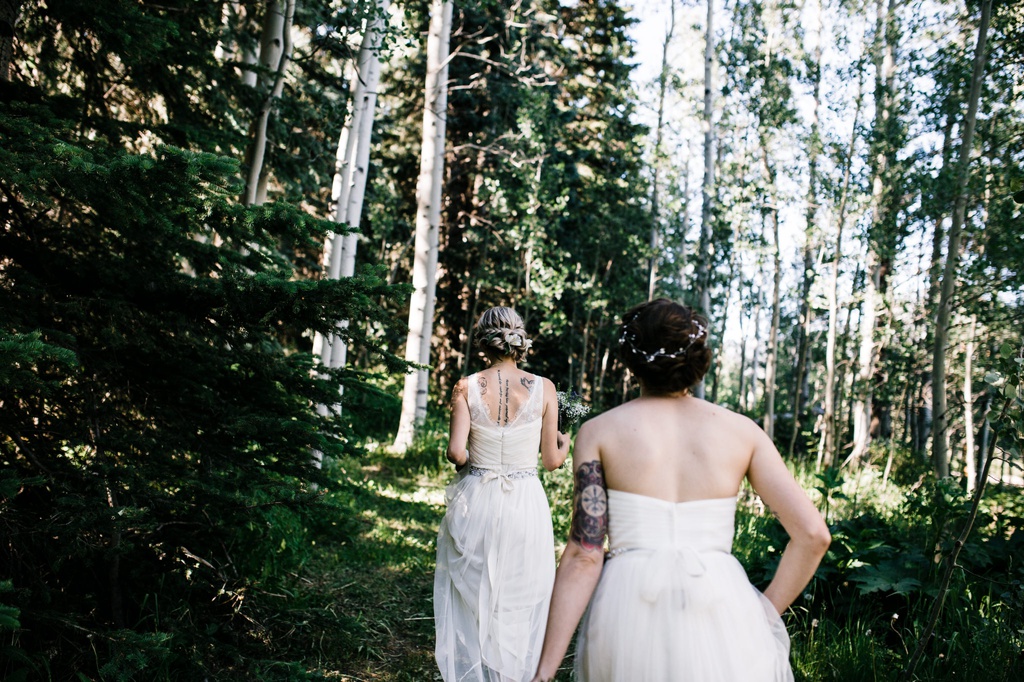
674	604
495	552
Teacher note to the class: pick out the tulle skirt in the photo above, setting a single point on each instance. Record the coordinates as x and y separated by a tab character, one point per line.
652	620
492	586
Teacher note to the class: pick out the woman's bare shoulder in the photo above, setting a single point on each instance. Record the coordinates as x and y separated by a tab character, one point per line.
725	414
610	419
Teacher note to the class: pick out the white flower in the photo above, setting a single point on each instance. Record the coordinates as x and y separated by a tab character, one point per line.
513	339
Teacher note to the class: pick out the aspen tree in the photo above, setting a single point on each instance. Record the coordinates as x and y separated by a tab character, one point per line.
950	271
352	165
428	220
275	54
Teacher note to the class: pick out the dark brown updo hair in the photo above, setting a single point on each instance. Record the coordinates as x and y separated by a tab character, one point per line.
664	344
500	333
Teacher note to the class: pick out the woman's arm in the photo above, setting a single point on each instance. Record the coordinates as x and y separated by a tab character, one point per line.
809	536
580	567
554	445
458	427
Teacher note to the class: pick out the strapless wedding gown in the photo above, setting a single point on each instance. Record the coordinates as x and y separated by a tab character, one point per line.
495	552
674	604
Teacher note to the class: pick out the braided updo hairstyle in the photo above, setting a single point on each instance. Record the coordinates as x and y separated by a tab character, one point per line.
664	344
500	333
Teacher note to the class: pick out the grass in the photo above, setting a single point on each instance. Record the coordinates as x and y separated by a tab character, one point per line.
858	619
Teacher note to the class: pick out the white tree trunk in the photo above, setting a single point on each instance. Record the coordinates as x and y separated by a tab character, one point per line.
652	279
275	53
951	269
772	357
428	221
970	459
755	360
800	389
708	186
866	358
249	60
884	74
351	168
827	447
272	40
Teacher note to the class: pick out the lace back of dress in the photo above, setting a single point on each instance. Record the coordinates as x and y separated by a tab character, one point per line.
534	407
477	411
530	411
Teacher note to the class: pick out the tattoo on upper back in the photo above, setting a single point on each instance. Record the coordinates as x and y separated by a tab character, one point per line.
527	383
590	506
482	383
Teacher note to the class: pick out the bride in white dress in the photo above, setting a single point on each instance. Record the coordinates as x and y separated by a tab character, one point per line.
495	547
659	476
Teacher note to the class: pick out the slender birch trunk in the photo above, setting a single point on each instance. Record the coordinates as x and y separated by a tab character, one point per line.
827	449
741	392
845	399
940	444
659	134
275	54
771	363
428	220
708	186
755	360
350	176
249	59
884	75
970	459
772	355
814	147
717	361
684	217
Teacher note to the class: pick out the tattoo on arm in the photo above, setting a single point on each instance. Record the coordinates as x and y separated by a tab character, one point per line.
590	506
458	392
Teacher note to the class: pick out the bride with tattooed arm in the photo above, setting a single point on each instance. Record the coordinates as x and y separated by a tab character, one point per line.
659	476
495	546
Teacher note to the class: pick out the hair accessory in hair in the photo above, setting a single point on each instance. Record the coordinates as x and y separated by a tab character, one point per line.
507	341
628	339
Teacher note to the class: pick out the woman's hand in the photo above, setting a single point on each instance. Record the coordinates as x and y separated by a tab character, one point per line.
563	444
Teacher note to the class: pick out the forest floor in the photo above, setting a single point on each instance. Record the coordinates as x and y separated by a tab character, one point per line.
386	571
378	569
384	574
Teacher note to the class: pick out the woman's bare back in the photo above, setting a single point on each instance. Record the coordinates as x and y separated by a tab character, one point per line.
675	448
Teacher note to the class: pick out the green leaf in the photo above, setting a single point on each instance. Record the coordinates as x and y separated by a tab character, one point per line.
992	377
1006	350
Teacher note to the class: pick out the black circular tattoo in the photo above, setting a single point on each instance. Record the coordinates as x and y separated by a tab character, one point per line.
594	500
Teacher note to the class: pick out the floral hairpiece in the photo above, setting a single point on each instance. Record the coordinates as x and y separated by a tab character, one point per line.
628	339
509	341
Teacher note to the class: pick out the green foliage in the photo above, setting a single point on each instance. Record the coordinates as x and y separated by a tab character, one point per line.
157	435
865	607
